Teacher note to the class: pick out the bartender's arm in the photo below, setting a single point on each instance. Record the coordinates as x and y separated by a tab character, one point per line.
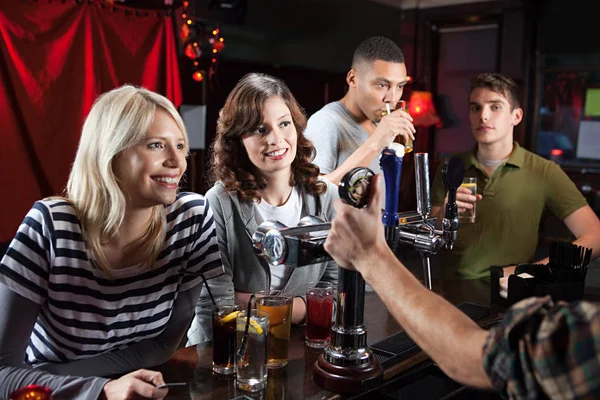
356	241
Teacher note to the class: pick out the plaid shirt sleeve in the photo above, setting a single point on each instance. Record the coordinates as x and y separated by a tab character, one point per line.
542	349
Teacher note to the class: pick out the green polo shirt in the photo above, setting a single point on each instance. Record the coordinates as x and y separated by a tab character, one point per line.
508	217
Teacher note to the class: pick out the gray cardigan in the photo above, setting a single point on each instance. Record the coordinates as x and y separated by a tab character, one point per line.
244	270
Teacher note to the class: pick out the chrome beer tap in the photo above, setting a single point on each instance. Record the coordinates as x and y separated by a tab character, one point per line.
295	246
417	229
347	364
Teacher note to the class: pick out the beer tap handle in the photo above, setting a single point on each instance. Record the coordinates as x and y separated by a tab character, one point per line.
390	162
452	176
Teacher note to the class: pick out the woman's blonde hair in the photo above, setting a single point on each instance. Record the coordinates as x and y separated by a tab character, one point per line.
118	120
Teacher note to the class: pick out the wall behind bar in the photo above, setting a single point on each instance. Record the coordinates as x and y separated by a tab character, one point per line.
313	34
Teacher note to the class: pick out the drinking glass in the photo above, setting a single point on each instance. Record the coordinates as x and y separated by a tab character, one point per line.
251	363
223	324
391	107
319	311
278	306
469	214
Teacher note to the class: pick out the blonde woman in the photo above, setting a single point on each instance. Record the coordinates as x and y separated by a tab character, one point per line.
104	281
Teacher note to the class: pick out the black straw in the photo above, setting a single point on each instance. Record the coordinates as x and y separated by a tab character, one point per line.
212	299
242	348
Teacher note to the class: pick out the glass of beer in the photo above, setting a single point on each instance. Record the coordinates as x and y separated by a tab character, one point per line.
251	364
469	214
319	311
399	105
223	324
278	306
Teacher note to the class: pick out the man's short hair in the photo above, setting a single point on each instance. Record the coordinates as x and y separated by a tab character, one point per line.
377	48
500	84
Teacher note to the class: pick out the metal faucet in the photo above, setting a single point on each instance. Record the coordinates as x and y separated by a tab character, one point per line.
417	229
295	246
348	364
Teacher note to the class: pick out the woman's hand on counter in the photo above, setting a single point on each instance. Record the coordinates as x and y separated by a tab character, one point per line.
242	299
135	385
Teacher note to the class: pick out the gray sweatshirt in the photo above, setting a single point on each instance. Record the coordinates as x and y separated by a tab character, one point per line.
244	270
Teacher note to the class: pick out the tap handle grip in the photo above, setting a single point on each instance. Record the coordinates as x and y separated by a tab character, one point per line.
452	177
355	187
451	207
390	162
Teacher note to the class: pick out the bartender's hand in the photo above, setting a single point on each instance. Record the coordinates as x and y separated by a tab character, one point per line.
140	384
464	199
357	234
398	123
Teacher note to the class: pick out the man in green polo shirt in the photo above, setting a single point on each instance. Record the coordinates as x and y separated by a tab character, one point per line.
514	187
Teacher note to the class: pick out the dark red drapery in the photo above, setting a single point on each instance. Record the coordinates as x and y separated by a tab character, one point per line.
55	59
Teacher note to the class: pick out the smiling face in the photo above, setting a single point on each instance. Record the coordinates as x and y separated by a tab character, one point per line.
492	120
271	147
377	83
149	172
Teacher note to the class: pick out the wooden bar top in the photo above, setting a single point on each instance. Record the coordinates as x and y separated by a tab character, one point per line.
193	365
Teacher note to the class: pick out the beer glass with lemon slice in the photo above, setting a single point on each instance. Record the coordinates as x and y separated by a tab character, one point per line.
253	345
279	307
469	214
223	323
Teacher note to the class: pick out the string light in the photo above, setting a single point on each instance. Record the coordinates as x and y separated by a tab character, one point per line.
198	41
198	76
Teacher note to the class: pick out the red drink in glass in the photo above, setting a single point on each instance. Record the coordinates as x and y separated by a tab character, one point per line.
319	310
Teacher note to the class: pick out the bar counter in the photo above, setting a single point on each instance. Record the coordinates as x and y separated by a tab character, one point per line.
193	365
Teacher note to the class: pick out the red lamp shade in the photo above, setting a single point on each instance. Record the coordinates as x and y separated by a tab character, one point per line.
422	110
192	50
219	46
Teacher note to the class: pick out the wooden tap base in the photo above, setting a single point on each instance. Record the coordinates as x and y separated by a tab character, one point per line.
347	379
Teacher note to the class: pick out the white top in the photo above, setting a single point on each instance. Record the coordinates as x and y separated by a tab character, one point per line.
289	215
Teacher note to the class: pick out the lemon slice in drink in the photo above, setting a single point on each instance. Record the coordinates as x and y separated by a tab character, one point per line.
230	316
253	328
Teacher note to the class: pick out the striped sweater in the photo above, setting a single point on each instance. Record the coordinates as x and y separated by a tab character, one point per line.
84	312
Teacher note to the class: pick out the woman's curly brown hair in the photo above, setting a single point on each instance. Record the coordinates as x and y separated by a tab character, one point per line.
242	113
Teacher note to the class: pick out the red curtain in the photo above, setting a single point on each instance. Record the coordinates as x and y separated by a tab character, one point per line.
55	59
